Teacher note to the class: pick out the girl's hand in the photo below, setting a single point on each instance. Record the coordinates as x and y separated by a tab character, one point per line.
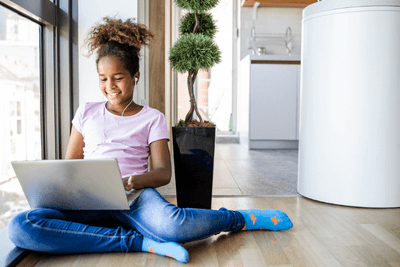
128	183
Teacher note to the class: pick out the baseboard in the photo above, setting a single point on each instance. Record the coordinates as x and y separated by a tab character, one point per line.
227	139
273	144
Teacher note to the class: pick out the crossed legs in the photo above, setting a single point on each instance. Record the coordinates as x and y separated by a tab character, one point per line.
152	224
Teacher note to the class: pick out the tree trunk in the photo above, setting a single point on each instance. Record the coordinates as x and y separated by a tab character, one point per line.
190	83
189	115
193	105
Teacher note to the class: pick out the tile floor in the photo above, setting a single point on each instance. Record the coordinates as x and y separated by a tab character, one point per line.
242	172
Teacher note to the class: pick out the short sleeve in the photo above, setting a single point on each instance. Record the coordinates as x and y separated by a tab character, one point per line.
77	121
158	129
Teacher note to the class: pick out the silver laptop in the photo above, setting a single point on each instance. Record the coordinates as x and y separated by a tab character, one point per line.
74	184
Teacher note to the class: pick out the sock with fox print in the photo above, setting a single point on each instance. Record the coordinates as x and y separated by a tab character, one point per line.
169	249
266	219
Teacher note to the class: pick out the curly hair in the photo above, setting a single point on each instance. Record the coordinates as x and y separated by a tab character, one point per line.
122	39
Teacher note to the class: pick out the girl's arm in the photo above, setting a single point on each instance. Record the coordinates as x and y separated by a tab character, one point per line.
160	175
75	145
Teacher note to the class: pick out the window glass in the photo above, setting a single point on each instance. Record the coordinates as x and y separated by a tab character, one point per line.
20	136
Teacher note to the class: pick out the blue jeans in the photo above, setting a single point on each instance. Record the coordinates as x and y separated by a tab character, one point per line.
54	231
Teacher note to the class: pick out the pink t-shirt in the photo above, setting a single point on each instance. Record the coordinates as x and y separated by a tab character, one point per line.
127	139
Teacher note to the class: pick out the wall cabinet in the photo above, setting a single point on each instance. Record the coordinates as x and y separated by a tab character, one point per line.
272	92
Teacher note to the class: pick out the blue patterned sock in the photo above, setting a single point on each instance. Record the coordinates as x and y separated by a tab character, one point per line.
266	219
169	249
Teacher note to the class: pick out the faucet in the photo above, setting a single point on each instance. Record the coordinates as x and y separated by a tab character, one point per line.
253	29
288	30
289	50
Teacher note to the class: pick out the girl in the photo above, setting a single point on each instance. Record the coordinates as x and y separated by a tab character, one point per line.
119	128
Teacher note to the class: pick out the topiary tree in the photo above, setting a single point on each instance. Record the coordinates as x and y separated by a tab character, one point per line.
195	48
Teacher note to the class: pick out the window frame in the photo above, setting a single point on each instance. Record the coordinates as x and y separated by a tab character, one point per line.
59	80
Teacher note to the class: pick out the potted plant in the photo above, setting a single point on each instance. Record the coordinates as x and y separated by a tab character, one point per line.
194	141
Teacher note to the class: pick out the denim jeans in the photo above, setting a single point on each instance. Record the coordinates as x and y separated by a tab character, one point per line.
55	231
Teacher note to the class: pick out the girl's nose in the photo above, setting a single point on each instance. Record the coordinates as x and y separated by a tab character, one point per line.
110	84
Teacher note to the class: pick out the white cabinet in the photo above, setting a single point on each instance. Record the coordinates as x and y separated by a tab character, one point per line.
273	101
272	111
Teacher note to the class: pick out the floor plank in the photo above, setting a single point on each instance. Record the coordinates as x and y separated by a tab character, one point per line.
383	235
367	255
272	248
32	259
250	252
342	254
320	254
57	261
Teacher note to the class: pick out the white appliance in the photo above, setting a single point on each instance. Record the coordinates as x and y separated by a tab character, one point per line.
349	140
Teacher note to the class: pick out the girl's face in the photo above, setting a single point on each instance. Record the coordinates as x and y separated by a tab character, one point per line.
116	83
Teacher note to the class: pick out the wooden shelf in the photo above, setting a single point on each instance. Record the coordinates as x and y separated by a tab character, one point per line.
280	3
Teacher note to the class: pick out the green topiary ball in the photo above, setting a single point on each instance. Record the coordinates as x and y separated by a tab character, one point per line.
197	6
193	52
206	24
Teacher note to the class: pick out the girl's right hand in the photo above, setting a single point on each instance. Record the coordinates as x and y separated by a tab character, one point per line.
127	186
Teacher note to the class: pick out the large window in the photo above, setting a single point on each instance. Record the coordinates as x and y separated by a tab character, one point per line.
38	82
20	134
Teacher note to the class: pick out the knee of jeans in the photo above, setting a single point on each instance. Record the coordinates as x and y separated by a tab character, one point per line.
148	193
173	228
37	215
22	230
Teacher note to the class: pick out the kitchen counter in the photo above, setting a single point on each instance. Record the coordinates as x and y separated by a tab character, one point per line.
268	101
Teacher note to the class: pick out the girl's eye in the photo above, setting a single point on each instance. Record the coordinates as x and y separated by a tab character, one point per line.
103	80
118	79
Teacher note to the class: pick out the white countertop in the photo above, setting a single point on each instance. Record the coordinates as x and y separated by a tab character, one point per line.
272	58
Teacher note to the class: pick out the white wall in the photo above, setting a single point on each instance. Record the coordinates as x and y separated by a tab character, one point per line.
271	20
89	13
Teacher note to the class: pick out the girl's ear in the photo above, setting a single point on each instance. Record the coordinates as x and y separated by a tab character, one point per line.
137	76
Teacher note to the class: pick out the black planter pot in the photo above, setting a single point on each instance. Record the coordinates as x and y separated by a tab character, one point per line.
194	149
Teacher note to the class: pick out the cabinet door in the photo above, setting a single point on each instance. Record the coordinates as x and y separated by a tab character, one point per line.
273	102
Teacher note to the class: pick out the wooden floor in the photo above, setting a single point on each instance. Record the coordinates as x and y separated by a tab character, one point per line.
323	235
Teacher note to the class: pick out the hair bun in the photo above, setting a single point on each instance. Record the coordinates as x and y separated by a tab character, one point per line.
122	32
